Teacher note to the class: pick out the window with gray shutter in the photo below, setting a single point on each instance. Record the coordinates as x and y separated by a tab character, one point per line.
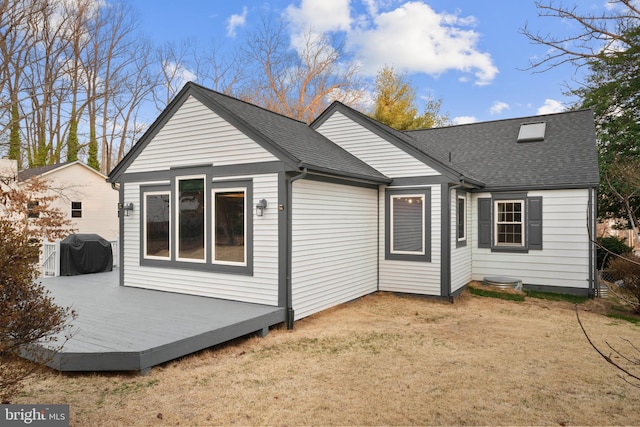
534	223
484	223
505	226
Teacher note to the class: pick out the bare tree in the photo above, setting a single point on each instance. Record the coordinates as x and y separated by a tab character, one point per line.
301	82
79	13
46	85
171	59
219	70
17	40
627	362
597	34
623	181
135	88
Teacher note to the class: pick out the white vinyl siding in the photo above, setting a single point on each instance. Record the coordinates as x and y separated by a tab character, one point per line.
261	288
334	244
195	135
372	149
460	256
564	259
99	201
417	277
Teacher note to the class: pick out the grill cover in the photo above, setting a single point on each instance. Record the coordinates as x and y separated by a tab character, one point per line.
85	253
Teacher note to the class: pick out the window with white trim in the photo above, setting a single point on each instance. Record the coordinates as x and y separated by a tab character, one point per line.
157	225
408	224
229	225
194	222
509	223
461	219
191	219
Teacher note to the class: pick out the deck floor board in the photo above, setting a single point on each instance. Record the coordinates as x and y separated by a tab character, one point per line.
124	328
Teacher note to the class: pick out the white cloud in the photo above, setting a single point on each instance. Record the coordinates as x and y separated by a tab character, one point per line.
236	21
179	74
551	106
463	120
498	107
416	39
320	15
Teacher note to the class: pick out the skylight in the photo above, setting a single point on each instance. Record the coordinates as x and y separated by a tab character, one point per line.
530	132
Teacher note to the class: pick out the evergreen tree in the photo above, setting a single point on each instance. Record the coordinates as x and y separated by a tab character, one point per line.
395	104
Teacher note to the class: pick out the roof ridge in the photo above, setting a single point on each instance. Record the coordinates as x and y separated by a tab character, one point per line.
251	104
535	116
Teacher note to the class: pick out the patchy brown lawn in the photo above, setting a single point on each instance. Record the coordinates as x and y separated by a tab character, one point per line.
383	359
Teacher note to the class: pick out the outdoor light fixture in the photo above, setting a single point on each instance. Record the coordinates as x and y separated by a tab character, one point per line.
260	207
127	208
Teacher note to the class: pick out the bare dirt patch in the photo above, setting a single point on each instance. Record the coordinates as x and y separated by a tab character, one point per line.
383	359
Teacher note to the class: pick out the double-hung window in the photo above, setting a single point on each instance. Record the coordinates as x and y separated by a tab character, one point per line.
407	225
509	223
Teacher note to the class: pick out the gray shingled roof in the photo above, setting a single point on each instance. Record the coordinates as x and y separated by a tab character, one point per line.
25	174
309	147
490	152
429	155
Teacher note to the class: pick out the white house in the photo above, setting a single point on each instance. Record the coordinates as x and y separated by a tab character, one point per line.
225	199
82	194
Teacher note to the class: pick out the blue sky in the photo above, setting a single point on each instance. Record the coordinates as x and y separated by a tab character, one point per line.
467	52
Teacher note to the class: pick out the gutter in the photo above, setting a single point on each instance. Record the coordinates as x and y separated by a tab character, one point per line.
592	214
289	288
446	237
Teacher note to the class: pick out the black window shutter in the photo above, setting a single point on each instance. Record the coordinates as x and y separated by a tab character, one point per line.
484	223
535	223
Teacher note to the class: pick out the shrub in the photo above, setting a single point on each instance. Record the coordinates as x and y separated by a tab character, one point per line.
28	314
608	245
626	272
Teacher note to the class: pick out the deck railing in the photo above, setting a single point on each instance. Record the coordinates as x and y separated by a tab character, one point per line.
50	257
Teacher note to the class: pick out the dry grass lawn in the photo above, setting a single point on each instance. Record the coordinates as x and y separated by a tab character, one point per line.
383	359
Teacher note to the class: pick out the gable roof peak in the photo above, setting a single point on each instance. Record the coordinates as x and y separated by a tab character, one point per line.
248	103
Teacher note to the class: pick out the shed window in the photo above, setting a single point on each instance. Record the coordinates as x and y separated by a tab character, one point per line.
230	223
76	209
191	219
157	225
33	210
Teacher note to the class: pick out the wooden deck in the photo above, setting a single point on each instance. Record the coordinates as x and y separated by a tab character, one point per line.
130	329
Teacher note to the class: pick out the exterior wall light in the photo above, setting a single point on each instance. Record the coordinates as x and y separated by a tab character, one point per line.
260	207
127	208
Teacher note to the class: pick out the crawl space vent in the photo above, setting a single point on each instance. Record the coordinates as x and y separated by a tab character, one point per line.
531	132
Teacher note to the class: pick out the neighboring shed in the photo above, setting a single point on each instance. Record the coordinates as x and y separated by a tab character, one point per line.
225	199
83	195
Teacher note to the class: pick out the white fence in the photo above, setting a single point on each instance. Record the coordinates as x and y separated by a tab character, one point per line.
50	257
